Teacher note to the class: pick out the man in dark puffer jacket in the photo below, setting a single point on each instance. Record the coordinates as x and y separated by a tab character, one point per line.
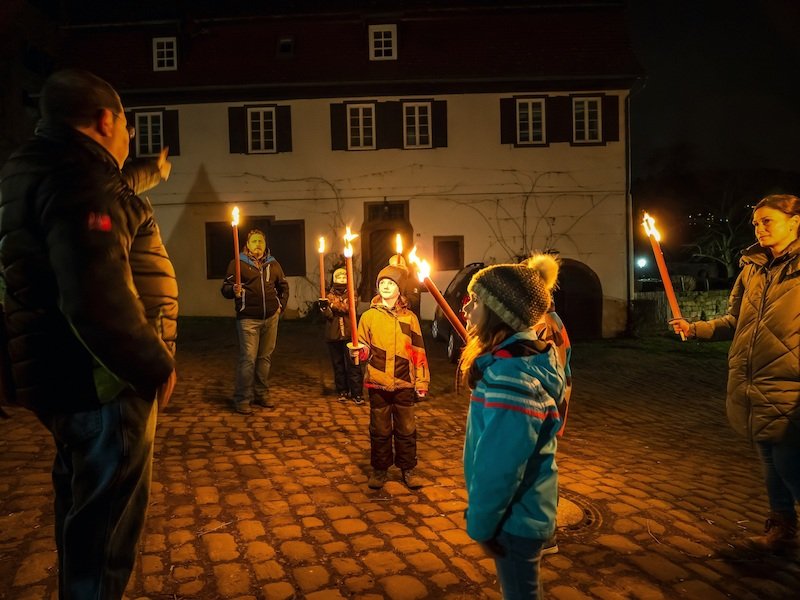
259	301
89	290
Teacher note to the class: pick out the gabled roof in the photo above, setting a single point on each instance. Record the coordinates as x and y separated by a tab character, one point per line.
440	50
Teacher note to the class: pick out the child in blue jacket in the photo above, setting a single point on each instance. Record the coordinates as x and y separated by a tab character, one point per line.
517	383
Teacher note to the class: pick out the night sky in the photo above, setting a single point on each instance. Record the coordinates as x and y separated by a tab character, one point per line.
722	76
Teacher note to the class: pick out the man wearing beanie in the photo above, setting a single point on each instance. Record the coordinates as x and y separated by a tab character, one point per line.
516	383
397	368
347	375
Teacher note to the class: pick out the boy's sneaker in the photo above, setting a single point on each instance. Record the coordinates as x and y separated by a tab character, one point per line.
411	479
243	408
377	479
343	397
264	402
550	546
358	400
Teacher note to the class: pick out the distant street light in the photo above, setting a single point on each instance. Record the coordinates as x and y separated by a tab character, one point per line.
641	263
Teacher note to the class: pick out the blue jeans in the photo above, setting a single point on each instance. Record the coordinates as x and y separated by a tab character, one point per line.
781	464
101	479
518	569
257	339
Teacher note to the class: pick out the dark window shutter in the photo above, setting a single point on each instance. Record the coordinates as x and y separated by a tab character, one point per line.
439	123
389	125
171	135
338	127
287	243
611	118
559	119
237	129
283	125
508	121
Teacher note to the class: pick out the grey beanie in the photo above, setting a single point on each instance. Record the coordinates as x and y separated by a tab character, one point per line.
517	293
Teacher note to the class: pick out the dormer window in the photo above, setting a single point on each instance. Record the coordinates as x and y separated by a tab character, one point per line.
165	54
383	42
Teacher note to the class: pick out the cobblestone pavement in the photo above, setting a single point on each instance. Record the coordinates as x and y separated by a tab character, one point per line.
275	505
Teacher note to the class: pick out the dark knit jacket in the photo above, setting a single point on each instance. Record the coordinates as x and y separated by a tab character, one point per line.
76	244
337	314
265	287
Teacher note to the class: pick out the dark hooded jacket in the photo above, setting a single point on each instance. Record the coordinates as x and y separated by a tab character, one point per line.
763	401
337	314
265	287
88	284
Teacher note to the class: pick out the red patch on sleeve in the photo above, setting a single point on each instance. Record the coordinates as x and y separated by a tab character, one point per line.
99	222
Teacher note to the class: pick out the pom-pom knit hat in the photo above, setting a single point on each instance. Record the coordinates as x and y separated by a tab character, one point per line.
517	293
395	273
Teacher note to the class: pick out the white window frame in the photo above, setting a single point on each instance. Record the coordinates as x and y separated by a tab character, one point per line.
165	54
527	128
586	106
262	112
356	142
382	42
144	133
414	111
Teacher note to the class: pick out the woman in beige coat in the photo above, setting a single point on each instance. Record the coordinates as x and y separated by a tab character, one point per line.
763	319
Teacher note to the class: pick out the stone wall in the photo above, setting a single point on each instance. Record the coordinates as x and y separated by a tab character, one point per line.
651	309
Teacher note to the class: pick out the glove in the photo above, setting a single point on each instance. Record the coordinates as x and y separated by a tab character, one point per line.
323	304
422	394
361	353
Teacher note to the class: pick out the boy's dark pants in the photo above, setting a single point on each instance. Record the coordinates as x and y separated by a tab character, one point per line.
347	376
392	414
101	477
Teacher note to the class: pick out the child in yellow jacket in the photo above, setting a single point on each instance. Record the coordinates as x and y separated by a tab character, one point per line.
397	369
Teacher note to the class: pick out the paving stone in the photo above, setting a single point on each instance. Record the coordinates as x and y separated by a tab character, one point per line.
278	591
221	547
151	564
561	592
325	595
311	578
698	589
659	568
403	587
407	545
251	530
35	568
298	551
359	584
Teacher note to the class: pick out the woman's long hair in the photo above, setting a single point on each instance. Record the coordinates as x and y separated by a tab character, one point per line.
482	336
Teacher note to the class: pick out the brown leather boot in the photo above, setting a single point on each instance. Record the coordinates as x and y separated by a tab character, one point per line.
780	533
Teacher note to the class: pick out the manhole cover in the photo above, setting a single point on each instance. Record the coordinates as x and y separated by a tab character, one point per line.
575	513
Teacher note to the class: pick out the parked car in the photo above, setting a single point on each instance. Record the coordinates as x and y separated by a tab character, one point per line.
456	296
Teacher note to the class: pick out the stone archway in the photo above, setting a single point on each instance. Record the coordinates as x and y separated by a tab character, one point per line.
579	300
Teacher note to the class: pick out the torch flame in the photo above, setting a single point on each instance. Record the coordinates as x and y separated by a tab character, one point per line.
321	245
649	224
398	244
348	247
235	222
423	268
